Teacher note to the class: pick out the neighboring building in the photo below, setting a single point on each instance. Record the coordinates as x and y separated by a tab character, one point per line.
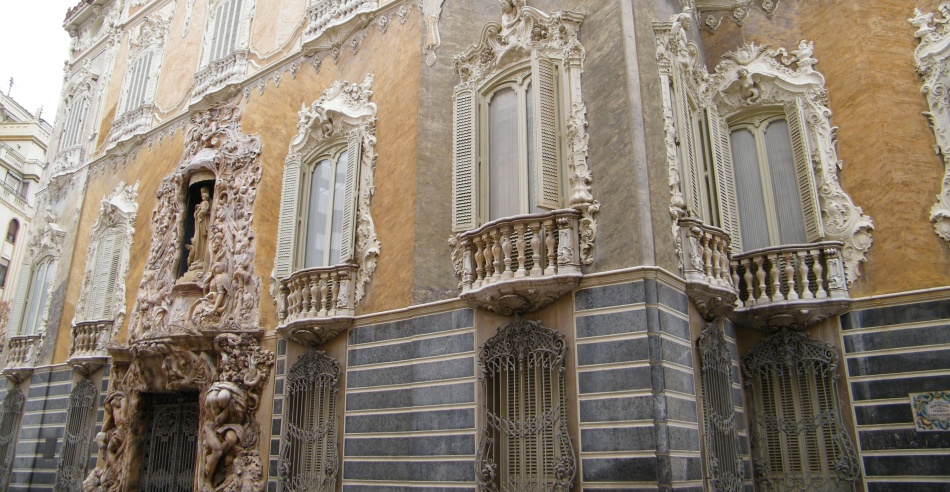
403	245
24	139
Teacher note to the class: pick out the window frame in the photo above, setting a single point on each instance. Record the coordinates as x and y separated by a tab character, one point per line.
240	41
332	152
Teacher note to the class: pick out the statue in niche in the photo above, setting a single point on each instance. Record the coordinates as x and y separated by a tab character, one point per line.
199	242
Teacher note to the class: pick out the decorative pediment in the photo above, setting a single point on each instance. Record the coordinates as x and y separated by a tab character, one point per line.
522	30
150	33
81	83
48	242
933	65
712	12
342	107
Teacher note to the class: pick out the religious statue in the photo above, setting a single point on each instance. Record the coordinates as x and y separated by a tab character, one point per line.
199	241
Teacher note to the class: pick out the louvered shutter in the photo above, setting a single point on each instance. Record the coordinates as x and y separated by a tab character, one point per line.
104	250
464	176
287	223
108	300
689	150
721	153
19	299
351	191
803	171
544	73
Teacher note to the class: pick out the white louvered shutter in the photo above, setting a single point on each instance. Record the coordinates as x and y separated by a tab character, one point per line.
544	74
689	148
19	299
803	171
721	153
108	299
96	307
287	223
354	146
464	175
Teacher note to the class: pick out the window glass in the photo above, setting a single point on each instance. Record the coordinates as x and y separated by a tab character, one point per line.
788	204
752	215
503	155
318	214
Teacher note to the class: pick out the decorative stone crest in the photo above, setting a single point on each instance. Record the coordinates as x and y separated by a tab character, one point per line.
736	10
933	65
755	75
229	289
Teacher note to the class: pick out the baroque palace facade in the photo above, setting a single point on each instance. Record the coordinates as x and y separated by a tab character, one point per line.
277	251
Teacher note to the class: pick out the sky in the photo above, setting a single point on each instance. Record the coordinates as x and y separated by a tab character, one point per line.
33	47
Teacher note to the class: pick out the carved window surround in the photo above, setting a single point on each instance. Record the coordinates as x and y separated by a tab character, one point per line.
545	47
933	65
100	309
757	77
316	304
330	22
78	104
712	12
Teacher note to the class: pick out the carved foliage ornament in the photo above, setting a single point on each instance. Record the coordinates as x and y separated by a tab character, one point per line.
757	76
524	31
736	10
933	65
216	145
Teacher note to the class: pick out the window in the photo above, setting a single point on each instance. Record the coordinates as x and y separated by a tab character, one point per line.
309	459
72	129
108	256
14	182
80	419
225	29
723	454
137	82
11	410
4	268
30	305
524	443
325	219
799	440
34	312
12	230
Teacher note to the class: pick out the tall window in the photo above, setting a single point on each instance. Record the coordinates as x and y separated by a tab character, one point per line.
225	29
137	82
4	269
11	410
325	209
34	314
799	440
524	443
109	253
309	459
72	130
12	230
80	419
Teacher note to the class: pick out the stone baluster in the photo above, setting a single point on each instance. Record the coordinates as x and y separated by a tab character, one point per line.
282	312
324	289
335	296
520	245
707	254
466	264
803	273
490	258
763	297
506	246
776	277
536	270
550	246
497	251
822	292
479	261
735	275
716	257
789	271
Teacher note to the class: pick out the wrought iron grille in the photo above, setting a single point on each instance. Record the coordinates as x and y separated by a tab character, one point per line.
723	455
798	439
10	412
171	442
71	468
309	458
524	444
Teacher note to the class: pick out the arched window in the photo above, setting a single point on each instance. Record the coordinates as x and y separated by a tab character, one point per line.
798	439
309	459
81	416
325	209
12	230
524	443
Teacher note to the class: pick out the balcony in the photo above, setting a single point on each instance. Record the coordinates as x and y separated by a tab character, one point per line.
130	124
330	20
317	304
706	267
218	80
521	264
791	286
88	352
22	351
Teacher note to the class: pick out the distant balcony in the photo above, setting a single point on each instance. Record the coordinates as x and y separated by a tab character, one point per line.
130	124
317	304
218	80
706	267
21	357
330	19
521	264
68	159
791	286
88	351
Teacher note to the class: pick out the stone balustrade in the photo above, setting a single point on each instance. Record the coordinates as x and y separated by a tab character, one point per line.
21	356
219	74
790	285
131	123
325	13
706	267
316	304
522	263
89	349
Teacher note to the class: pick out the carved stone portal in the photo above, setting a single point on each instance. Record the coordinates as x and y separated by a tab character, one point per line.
229	373
219	291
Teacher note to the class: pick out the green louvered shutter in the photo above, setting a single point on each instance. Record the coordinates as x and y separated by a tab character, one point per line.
544	74
287	223
350	202
803	171
721	153
465	162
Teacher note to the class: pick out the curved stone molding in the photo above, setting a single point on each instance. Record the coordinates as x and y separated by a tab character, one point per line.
110	242
227	289
757	76
712	12
523	31
343	115
933	65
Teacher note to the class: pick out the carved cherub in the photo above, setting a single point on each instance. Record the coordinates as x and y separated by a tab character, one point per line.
748	88
510	13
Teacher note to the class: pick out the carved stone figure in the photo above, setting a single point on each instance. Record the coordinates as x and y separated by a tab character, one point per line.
198	244
224	430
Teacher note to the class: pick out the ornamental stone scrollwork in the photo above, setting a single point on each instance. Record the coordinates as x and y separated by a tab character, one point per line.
758	76
330	22
711	12
525	30
933	65
219	289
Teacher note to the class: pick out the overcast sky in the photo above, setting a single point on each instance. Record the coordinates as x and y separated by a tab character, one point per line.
33	47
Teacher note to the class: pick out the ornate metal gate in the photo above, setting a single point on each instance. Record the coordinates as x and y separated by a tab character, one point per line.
171	442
